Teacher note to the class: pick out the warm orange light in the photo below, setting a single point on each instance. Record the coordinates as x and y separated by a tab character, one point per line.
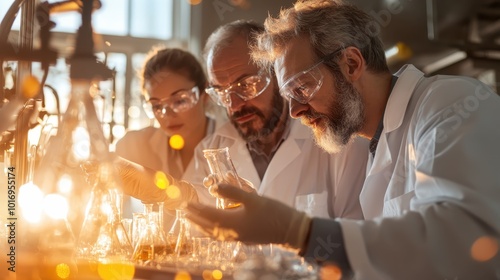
176	142
173	192
217	274
207	275
484	249
194	2
182	275
161	180
330	271
63	271
30	87
116	270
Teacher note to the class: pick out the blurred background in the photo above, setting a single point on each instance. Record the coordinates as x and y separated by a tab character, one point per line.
438	36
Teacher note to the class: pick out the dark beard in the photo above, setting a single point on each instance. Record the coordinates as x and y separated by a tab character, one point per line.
250	134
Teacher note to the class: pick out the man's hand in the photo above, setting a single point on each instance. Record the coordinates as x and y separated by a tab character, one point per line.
260	220
210	182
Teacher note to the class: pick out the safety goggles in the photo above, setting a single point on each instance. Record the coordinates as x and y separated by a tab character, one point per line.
246	89
181	101
303	85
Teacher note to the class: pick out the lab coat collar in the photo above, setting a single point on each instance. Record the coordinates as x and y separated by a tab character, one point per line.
395	110
408	77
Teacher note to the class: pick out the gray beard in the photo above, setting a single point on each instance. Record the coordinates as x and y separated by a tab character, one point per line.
345	118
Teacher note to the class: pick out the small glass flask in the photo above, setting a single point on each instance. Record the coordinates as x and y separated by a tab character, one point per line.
152	244
180	235
223	171
102	234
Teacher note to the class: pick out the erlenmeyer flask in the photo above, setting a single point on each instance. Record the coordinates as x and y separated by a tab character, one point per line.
152	244
59	180
223	171
102	234
180	234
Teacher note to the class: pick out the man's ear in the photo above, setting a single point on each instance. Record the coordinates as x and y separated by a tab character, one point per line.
353	63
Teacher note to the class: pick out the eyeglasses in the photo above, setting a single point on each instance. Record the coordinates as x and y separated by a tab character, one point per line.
303	85
180	101
246	89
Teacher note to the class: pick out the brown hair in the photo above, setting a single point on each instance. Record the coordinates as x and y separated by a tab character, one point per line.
175	60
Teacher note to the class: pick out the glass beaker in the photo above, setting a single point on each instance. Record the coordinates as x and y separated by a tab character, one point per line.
223	171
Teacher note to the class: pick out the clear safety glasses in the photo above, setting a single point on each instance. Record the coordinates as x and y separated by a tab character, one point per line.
181	101
303	85
246	89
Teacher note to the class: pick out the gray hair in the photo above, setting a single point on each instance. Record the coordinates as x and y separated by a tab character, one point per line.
329	25
225	34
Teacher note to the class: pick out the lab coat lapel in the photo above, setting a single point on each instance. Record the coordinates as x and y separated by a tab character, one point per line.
379	175
286	160
240	156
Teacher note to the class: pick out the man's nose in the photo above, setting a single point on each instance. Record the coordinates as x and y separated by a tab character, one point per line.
235	102
297	109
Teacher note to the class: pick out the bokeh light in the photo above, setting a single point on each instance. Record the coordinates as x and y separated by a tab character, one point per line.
30	87
55	206
484	249
65	184
161	180
207	275
182	275
330	272
30	201
115	270
63	271
217	274
173	192
194	2
134	112
176	142
81	143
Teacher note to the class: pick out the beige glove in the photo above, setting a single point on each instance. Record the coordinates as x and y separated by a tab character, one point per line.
260	220
210	183
142	183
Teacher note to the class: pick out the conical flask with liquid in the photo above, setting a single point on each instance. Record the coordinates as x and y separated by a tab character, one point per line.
152	242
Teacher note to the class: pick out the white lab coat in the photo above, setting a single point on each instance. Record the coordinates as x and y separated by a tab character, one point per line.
300	174
436	173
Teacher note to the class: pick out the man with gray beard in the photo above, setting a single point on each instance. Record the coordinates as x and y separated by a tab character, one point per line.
275	153
431	197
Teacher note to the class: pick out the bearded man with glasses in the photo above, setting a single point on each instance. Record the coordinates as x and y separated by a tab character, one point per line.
431	197
272	153
275	153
